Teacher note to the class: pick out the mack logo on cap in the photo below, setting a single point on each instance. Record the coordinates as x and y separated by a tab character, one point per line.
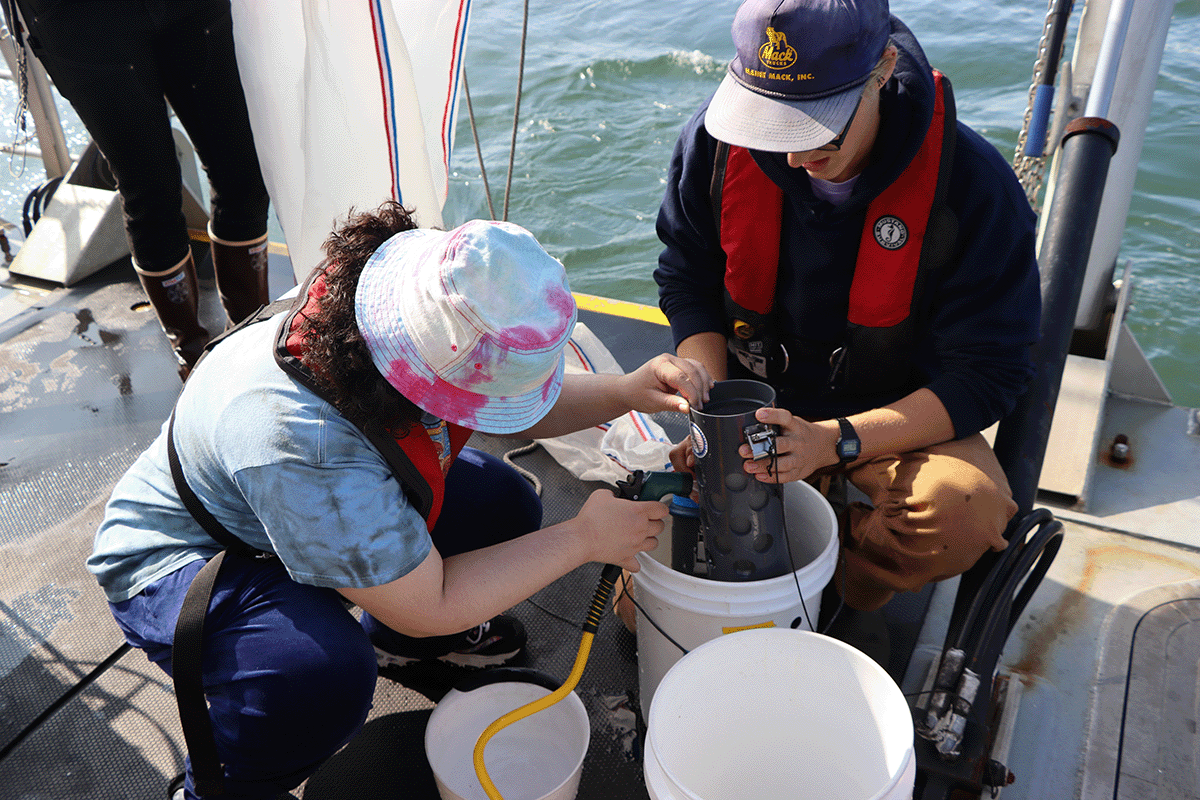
776	53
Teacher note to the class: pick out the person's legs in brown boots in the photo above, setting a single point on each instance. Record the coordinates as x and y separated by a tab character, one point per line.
241	271
175	296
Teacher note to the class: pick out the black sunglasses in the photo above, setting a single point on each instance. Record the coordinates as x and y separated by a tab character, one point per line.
835	144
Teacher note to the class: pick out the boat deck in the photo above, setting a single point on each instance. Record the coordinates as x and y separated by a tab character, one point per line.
86	380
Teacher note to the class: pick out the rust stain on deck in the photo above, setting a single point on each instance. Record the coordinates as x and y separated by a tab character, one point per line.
1071	608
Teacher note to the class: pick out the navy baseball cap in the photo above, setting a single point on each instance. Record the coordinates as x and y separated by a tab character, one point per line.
798	73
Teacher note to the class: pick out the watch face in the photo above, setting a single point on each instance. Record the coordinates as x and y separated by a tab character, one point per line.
848	443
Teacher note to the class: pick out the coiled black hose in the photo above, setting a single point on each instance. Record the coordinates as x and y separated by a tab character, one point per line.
998	603
36	202
973	645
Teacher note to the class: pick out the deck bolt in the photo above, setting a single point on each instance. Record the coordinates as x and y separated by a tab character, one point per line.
1120	448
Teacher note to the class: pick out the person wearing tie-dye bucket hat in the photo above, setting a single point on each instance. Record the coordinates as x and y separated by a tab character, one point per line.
329	433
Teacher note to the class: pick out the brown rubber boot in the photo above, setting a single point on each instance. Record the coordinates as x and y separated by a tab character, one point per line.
241	270
175	296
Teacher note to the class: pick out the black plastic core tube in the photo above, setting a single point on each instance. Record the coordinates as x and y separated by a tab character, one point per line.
741	518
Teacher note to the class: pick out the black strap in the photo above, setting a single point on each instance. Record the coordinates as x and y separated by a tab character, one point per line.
415	486
206	520
716	189
187	670
187	646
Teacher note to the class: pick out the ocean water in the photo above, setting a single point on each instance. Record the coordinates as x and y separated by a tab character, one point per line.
609	83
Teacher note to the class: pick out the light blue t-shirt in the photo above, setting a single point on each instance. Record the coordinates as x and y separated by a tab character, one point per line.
279	467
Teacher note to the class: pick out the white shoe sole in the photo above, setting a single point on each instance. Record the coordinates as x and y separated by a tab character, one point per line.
471	660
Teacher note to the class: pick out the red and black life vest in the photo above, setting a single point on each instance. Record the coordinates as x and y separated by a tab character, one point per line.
909	232
418	462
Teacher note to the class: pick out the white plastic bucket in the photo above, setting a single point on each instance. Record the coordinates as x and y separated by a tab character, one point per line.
770	713
539	757
693	610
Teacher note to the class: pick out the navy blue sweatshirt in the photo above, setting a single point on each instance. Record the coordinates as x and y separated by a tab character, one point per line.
978	315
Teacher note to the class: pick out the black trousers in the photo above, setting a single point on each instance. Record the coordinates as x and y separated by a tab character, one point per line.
119	63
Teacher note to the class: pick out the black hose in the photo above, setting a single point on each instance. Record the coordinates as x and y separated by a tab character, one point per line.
36	202
984	640
973	647
986	595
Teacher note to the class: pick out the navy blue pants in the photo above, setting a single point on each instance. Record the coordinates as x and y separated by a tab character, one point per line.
119	64
288	671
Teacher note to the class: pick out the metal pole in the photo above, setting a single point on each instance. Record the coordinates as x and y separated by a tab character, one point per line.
1087	149
1108	60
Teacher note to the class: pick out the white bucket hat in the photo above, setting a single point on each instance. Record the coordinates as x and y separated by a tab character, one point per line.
468	324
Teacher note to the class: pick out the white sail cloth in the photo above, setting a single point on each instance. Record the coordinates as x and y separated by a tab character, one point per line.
352	102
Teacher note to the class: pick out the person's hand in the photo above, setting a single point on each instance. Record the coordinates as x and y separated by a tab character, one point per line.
801	448
657	385
614	530
682	457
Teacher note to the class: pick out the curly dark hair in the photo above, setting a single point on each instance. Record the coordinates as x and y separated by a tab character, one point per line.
334	349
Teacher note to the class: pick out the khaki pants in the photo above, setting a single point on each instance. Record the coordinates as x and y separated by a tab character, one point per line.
932	514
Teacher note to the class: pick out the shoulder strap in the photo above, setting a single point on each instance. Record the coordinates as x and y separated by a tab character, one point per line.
748	211
902	230
415	486
196	508
187	666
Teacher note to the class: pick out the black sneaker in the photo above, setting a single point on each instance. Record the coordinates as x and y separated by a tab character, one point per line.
495	642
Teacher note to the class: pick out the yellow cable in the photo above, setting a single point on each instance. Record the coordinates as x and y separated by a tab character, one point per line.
585	646
608	578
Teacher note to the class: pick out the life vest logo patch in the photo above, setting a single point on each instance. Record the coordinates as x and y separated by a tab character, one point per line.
777	53
890	232
699	443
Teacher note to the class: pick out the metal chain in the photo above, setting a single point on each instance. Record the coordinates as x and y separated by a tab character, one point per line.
1029	169
21	137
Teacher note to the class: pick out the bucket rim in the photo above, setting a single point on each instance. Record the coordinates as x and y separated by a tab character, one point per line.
653	744
699	588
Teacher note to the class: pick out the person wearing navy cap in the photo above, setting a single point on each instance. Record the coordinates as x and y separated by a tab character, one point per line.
832	229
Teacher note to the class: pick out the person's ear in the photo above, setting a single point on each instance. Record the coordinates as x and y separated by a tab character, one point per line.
890	55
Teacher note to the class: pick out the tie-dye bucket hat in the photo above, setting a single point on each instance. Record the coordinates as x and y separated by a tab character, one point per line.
469	324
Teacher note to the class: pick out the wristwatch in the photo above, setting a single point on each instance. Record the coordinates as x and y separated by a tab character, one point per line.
848	444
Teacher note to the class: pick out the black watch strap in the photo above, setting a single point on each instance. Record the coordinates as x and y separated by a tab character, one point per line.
848	444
